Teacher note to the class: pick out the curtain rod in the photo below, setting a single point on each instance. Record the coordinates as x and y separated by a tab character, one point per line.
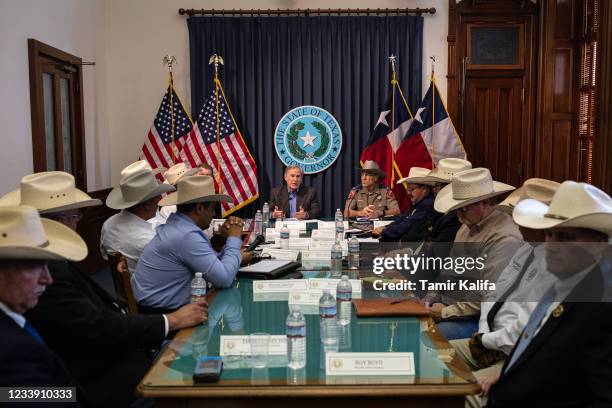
306	12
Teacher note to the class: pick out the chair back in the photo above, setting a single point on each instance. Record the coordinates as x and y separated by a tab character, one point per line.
122	282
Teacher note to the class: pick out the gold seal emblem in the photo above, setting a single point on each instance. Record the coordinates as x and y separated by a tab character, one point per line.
260	286
296	297
314	284
230	344
558	311
337	363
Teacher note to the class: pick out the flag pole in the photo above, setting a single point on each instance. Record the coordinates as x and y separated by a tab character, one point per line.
169	60
433	111
217	60
392	60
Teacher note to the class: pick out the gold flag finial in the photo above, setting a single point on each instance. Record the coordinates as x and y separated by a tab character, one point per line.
215	60
169	60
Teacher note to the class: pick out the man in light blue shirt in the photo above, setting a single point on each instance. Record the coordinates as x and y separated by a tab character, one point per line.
162	280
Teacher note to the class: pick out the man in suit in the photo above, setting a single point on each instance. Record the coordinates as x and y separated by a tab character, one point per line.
103	347
563	357
24	358
293	199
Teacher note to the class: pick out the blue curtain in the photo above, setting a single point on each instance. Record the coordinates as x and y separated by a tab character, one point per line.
274	64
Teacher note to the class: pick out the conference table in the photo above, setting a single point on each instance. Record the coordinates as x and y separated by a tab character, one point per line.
441	378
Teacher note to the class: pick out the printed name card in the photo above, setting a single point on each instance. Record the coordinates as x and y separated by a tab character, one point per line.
283	254
330	225
304	298
272	234
240	346
380	223
316	255
324	234
331	284
285	285
298	224
369	364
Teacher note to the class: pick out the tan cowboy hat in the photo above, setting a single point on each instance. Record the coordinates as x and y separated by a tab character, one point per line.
135	168
577	205
468	187
447	168
177	172
370	166
417	175
195	189
24	235
136	188
535	188
49	191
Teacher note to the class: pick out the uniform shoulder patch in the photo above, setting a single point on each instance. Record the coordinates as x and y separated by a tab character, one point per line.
390	193
352	194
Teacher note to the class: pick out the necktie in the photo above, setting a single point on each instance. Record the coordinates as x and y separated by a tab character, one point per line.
33	332
534	322
507	293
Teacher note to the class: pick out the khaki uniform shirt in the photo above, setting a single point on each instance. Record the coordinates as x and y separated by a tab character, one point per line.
381	197
499	238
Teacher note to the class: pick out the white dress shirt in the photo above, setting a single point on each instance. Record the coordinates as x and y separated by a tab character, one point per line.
128	234
161	216
511	318
19	319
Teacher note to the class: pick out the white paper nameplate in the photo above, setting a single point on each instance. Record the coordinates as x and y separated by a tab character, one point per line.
285	285
299	224
323	234
368	241
331	284
284	254
239	362
272	234
304	298
330	224
369	364
381	223
316	255
271	297
240	346
367	380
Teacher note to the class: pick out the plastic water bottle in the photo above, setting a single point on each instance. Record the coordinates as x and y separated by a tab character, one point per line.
339	225
296	338
336	256
344	297
198	288
329	325
353	253
258	223
266	215
284	237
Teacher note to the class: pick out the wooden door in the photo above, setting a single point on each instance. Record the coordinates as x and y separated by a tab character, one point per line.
492	127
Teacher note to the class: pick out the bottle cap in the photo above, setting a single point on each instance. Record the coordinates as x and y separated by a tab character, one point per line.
198	274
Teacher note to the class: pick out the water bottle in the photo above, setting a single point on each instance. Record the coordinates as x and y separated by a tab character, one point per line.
339	225
353	252
198	288
266	215
329	325
336	256
284	237
344	297
296	338
258	223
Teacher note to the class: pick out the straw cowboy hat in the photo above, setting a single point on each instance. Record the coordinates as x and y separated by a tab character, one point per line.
136	188
177	172
370	166
468	187
535	188
417	175
136	167
577	205
196	189
447	168
48	192
24	235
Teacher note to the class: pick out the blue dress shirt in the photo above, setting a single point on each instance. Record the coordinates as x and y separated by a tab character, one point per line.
167	265
292	202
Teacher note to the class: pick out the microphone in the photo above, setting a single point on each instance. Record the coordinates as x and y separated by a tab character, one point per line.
348	207
259	239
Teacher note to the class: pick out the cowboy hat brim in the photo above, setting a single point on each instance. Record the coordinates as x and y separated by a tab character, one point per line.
381	174
116	201
173	199
189	172
62	244
417	180
531	213
82	200
445	202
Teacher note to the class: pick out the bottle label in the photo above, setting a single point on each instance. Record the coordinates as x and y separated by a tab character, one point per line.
296	330
284	235
327	311
198	292
344	296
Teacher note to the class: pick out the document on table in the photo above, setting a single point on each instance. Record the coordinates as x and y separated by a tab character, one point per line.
265	266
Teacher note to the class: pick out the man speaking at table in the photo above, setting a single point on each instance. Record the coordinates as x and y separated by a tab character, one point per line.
293	199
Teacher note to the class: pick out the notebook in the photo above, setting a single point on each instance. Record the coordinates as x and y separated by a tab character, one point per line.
383	307
268	269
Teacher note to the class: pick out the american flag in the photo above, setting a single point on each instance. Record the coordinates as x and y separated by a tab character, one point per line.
232	160
159	149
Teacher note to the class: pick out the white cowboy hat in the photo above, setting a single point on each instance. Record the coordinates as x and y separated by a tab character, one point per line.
370	166
177	172
195	189
535	188
24	235
49	191
135	168
447	168
417	175
468	187
577	205
136	188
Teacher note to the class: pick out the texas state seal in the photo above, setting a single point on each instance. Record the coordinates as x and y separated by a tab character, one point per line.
309	137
